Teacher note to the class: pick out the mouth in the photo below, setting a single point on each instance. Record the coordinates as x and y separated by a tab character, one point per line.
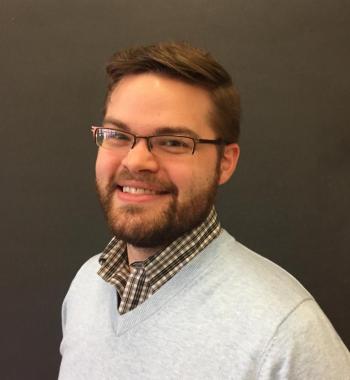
140	193
139	190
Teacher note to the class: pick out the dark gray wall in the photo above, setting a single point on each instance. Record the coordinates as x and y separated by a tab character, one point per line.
289	199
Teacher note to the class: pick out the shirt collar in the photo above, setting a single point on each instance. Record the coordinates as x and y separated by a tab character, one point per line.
168	261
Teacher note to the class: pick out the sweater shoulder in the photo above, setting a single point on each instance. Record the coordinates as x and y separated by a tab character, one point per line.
85	277
91	265
255	277
87	292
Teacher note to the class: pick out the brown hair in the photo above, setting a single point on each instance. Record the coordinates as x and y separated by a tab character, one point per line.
186	63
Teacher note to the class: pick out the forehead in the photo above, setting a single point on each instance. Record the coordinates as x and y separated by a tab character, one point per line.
149	101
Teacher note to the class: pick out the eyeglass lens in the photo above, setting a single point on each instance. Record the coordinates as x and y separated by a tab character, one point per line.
118	140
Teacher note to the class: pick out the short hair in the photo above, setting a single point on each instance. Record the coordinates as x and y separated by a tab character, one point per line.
181	61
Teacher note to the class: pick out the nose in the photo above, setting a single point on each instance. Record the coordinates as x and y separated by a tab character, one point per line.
140	158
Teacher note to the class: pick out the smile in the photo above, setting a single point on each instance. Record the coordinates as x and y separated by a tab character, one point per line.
132	194
138	190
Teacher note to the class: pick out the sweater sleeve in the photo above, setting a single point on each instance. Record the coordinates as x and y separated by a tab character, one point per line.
305	346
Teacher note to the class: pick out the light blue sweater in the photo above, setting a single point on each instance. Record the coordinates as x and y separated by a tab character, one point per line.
228	314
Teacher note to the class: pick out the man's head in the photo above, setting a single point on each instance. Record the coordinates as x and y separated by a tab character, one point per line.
188	64
152	195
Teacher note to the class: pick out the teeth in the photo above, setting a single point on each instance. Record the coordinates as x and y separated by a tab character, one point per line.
137	190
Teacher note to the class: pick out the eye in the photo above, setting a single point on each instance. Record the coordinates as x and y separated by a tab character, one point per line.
113	138
119	136
173	144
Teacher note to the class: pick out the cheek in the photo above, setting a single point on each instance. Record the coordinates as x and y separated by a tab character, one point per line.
189	179
200	178
106	165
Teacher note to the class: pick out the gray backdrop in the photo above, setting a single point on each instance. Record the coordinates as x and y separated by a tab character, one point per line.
289	199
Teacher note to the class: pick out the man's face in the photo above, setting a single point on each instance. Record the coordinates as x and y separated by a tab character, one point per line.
149	201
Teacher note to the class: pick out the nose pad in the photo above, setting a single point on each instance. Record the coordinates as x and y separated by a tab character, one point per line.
140	158
148	143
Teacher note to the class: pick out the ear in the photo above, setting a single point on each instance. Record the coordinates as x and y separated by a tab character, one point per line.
228	162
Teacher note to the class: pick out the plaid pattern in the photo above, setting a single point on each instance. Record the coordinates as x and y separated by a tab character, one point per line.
137	283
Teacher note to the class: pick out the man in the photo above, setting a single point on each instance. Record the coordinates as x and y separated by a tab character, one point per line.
173	295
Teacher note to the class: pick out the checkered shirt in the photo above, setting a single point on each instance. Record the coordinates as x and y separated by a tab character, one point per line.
138	282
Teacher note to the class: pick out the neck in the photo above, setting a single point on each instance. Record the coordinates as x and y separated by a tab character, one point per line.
139	253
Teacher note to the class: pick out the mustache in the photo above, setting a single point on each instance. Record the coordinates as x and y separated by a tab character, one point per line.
146	177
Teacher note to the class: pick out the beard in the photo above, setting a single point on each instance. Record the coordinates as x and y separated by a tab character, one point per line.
142	227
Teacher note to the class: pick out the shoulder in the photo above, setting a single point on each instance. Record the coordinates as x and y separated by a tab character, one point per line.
296	338
85	281
305	346
87	292
255	277
91	266
261	292
86	277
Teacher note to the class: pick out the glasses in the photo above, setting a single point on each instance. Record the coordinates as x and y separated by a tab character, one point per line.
121	141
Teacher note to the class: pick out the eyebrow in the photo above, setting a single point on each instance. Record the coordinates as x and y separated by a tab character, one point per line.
178	130
164	130
116	123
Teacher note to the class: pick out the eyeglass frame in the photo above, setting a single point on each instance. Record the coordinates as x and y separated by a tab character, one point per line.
219	141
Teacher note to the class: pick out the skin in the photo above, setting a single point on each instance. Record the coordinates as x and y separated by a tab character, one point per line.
184	186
